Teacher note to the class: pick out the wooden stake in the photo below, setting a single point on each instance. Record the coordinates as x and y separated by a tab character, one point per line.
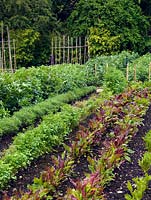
85	46
59	50
56	56
4	68
63	48
9	48
107	66
72	60
76	50
80	60
2	35
14	54
127	72
68	60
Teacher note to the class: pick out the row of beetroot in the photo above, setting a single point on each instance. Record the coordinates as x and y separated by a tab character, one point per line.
35	142
103	145
28	115
141	183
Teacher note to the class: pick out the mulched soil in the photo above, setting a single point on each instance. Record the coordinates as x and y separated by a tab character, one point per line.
116	189
129	170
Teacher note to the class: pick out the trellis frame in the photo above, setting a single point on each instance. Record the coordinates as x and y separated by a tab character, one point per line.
65	49
7	52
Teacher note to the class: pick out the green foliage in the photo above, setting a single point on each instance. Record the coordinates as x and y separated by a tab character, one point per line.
141	183
121	18
22	16
101	42
129	25
63	8
32	85
38	141
119	61
114	79
98	65
28	14
3	112
142	68
147	140
25	46
145	162
141	186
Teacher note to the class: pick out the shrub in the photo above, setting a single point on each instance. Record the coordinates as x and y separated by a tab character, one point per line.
142	66
114	79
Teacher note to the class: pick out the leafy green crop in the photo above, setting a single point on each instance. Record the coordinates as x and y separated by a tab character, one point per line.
142	68
30	86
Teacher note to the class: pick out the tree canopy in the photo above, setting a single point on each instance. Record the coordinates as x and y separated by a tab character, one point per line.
122	18
126	22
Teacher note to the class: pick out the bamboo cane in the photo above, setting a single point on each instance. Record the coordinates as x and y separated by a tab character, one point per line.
14	54
9	48
2	35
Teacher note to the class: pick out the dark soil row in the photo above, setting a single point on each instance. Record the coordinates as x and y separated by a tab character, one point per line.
129	170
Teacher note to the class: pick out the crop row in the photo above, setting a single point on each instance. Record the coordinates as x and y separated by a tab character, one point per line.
40	140
141	183
117	120
28	115
122	121
33	85
120	61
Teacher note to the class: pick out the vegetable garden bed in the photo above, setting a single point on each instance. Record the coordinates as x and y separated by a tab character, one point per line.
94	156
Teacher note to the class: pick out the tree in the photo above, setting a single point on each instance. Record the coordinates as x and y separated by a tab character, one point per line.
32	15
121	18
26	41
145	5
63	8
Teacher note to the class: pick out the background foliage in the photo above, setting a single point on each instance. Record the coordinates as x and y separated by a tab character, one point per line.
112	25
123	19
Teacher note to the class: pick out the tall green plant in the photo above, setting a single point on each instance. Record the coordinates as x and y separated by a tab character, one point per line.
115	80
